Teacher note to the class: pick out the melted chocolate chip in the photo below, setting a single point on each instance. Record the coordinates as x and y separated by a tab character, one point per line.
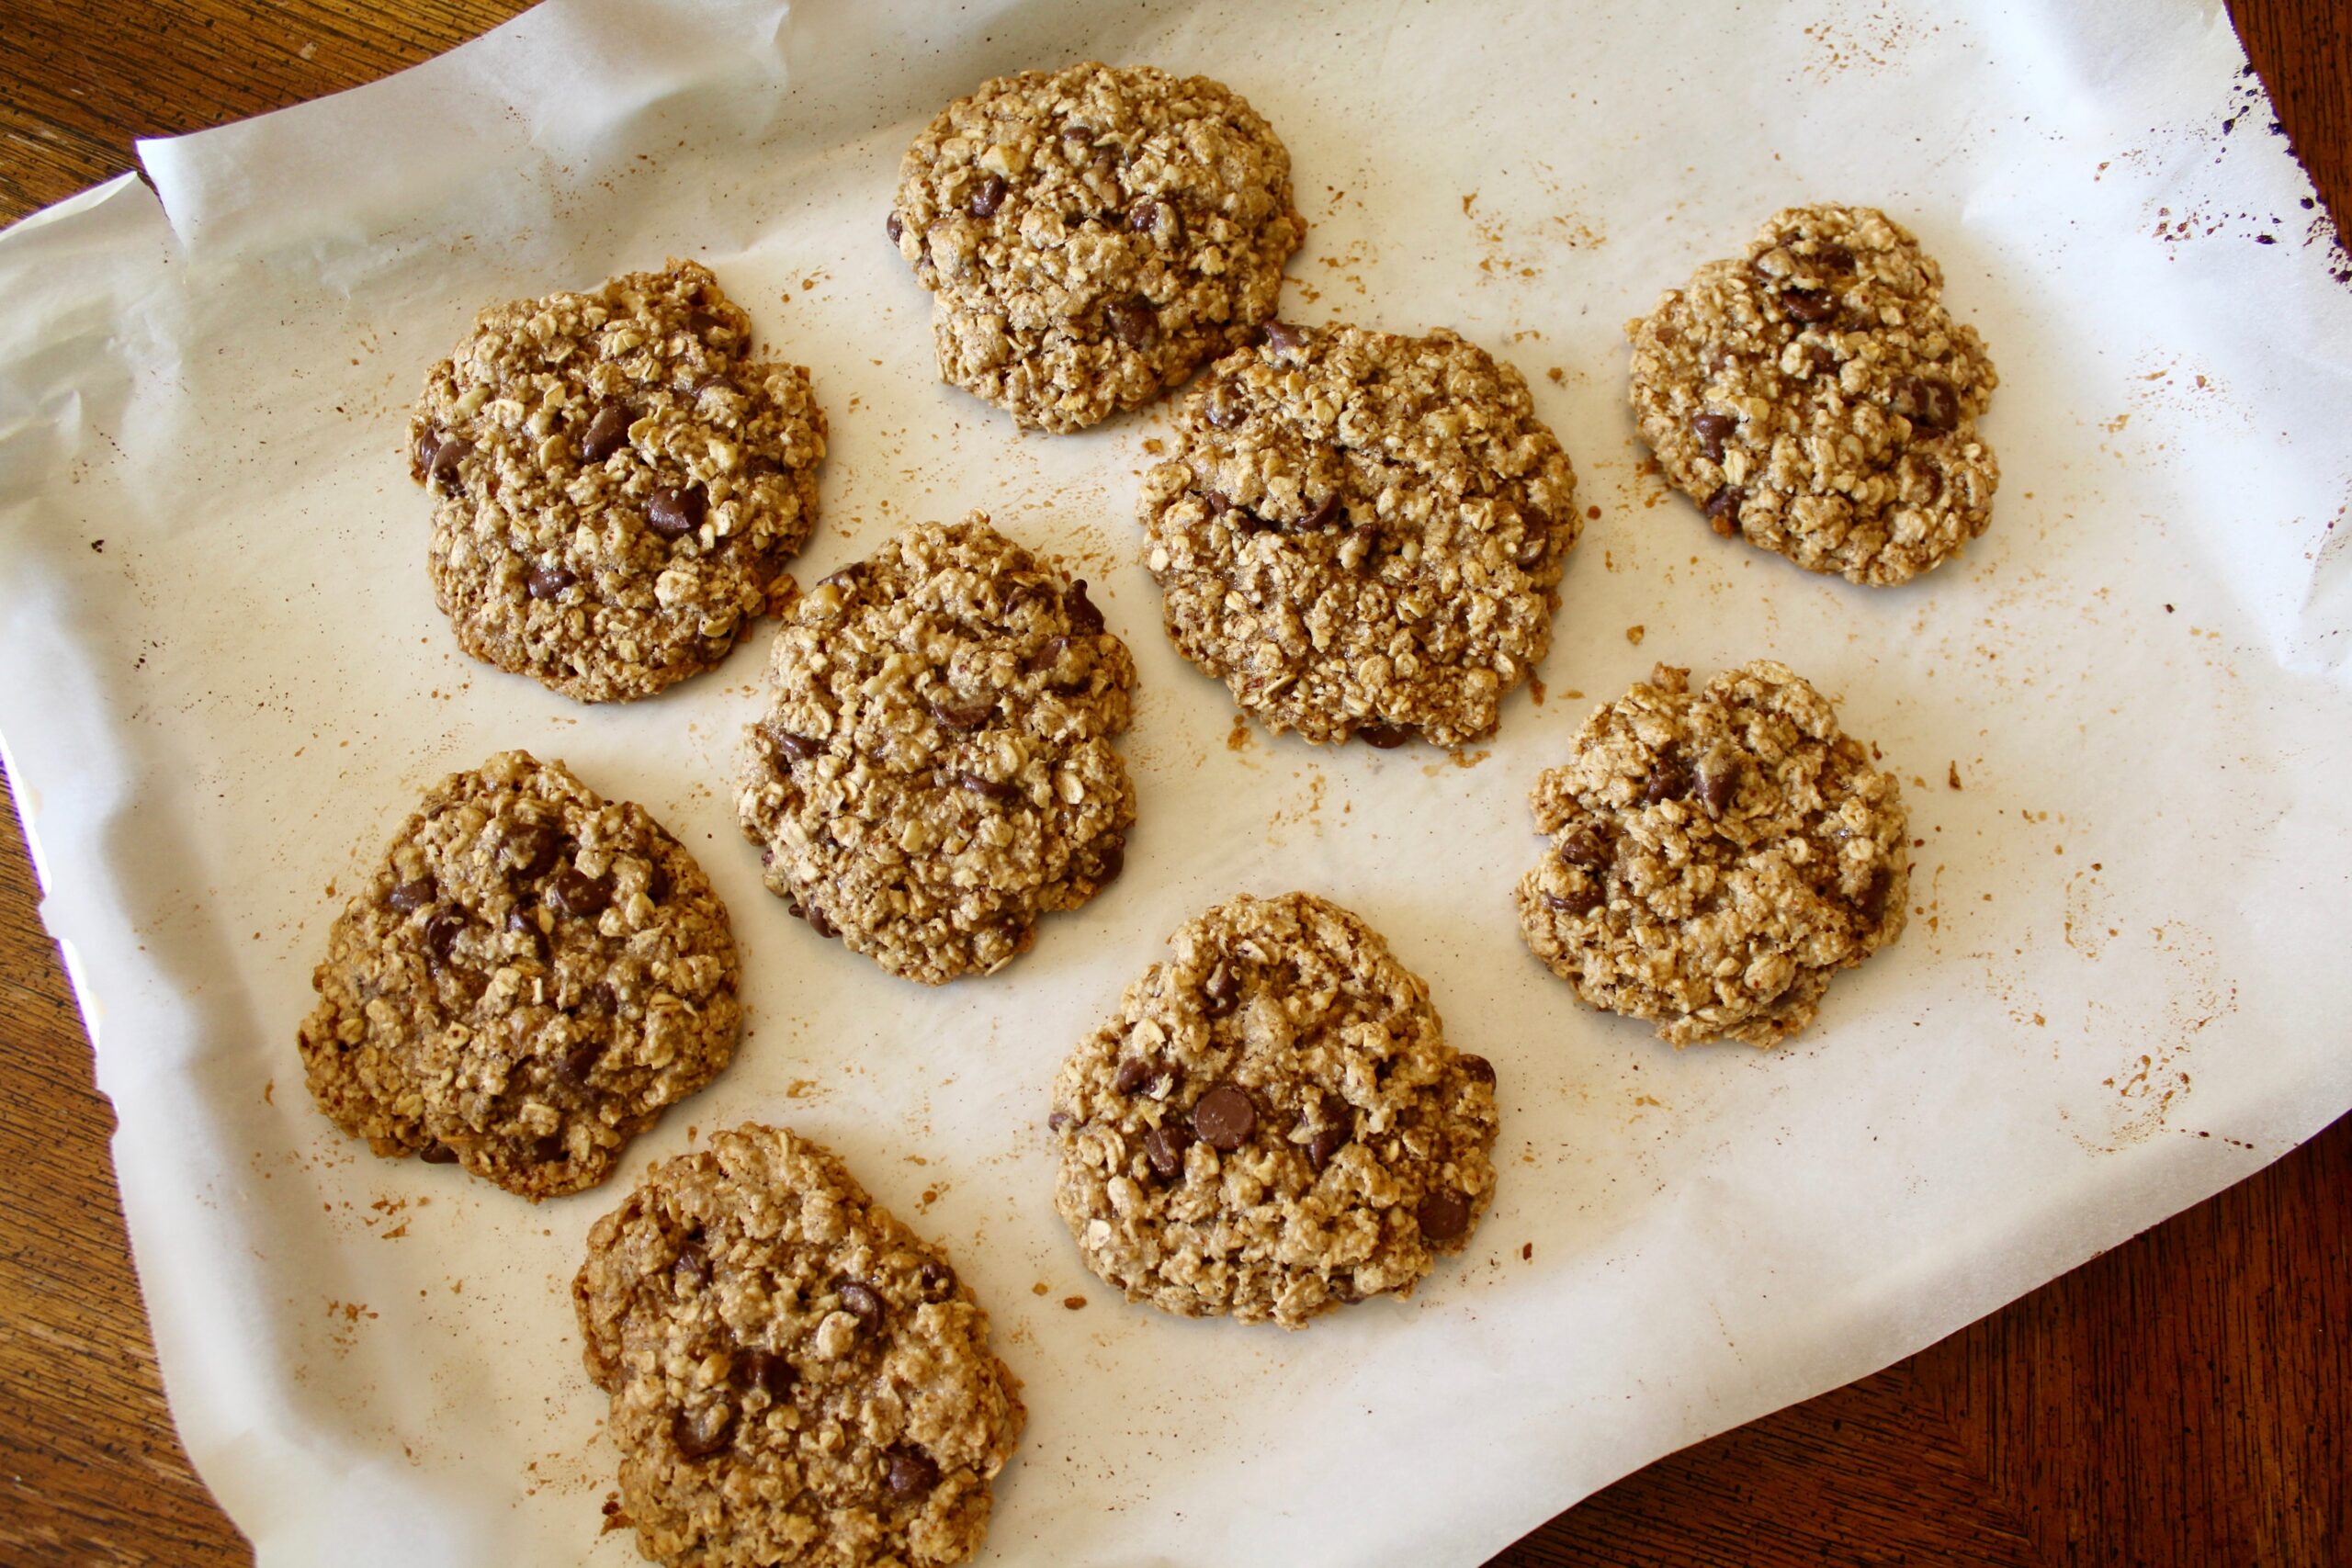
1110	860
1224	1118
698	1439
1444	1217
606	433
1584	846
1716	782
988	788
1131	1075
1873	904
966	714
1327	1142
1322	514
1221	992
1164	1147
437	1154
1283	338
441	934
1059	1120
1809	306
534	848
936	1281
410	896
1532	543
818	922
860	1302
1385	735
576	1063
1132	322
894	227
549	1150
657	882
1085	620
1477	1068
796	747
674	514
910	1473
1670	778
580	895
1927	405
691	1269
766	1371
443	470
985	197
1722	509
1836	258
1711	429
547	582
1581	902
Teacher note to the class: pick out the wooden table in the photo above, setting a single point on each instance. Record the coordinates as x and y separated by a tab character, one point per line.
2183	1399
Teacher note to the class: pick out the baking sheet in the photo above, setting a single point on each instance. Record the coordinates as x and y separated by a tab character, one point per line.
2123	719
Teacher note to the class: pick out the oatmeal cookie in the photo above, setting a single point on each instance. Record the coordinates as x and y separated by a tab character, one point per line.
935	770
1093	236
1272	1124
616	483
1360	533
528	978
1814	397
1716	858
797	1380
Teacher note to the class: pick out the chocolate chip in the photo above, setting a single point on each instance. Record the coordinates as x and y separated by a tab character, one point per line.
549	1150
657	882
518	920
966	714
1222	411
1225	1117
437	1154
818	922
1927	405
1221	992
1533	542
1717	781
1670	778
691	1268
442	468
1133	321
441	934
936	1281
1077	131
1085	620
1722	509
575	1064
1321	514
1059	1120
674	514
861	1303
1809	306
1217	502
894	227
1283	338
766	1371
608	434
797	747
1477	1068
1149	217
909	1472
1363	540
989	789
1836	258
700	1438
580	895
1444	1217
1385	735
410	896
534	849
1164	1147
1110	858
421	461
985	197
1131	1075
1579	903
1585	847
1873	904
1327	1142
1711	429
547	581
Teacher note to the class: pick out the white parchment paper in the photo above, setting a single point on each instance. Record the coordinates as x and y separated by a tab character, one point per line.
2124	720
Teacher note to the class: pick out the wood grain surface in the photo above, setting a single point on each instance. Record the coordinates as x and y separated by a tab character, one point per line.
2184	1399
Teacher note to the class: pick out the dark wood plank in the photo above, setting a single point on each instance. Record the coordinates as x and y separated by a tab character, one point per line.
2182	1399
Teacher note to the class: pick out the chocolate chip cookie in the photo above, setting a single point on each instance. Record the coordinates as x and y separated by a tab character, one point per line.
935	770
1360	533
797	1379
1716	858
616	483
1272	1124
1815	397
529	976
1093	236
